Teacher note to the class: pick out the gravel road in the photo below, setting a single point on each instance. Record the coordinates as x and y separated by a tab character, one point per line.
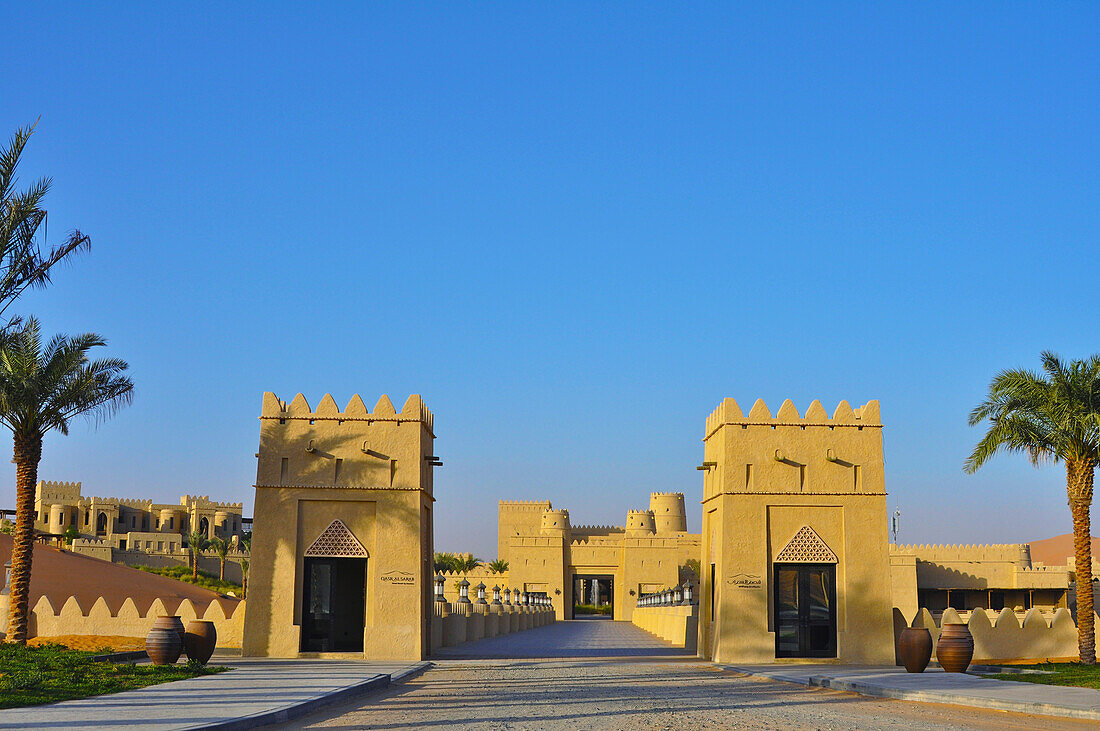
638	693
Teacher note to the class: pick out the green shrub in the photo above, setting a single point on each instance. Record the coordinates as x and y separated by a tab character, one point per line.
205	580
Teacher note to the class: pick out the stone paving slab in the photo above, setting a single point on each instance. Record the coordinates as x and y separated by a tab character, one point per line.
936	686
578	638
258	691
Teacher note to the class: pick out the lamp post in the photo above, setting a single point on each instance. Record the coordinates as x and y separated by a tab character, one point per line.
440	581
496	596
481	593
687	594
464	592
508	597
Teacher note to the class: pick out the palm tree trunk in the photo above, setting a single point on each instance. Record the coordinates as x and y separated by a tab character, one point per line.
1079	475
222	577
194	563
26	454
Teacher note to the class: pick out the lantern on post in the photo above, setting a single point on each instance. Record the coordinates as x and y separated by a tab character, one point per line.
523	598
508	597
464	592
676	596
496	596
481	593
440	581
687	593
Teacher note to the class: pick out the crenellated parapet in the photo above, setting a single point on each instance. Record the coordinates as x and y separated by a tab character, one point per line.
203	502
299	409
50	492
785	453
729	412
1017	553
531	506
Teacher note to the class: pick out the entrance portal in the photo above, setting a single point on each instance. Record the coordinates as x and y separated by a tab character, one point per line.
334	604
593	595
805	610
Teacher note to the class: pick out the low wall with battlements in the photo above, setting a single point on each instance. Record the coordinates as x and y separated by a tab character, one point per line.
98	619
1005	635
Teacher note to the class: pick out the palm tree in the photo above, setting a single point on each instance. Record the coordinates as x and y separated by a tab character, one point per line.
197	542
245	546
1054	417
22	262
221	548
466	563
43	389
445	561
498	567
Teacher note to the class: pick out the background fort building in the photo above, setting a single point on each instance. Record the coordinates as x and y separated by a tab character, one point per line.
342	543
136	532
546	554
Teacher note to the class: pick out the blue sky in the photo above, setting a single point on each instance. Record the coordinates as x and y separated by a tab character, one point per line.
574	230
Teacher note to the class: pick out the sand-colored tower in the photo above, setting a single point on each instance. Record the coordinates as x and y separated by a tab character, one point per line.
788	501
640	523
555	522
669	512
343	522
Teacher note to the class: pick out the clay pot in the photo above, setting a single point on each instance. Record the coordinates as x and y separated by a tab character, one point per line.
163	645
199	640
170	622
955	648
915	649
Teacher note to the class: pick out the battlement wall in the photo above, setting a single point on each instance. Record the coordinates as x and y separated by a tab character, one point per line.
598	529
57	492
128	621
413	410
1000	636
204	502
729	412
1018	553
793	454
534	506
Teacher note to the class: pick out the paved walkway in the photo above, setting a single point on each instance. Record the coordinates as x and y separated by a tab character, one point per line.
592	638
936	686
240	698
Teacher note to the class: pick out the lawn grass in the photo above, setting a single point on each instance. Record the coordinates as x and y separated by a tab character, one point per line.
205	580
30	676
1058	673
604	609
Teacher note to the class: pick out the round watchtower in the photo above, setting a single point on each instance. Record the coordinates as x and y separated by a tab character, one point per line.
669	512
640	523
555	521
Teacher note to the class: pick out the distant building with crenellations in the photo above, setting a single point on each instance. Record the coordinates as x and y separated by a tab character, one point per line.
134	531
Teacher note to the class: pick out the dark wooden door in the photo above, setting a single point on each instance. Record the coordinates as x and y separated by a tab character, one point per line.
334	604
805	610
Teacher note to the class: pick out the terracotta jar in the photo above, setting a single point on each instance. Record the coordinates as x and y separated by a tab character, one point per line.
163	645
170	622
955	648
915	648
199	640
